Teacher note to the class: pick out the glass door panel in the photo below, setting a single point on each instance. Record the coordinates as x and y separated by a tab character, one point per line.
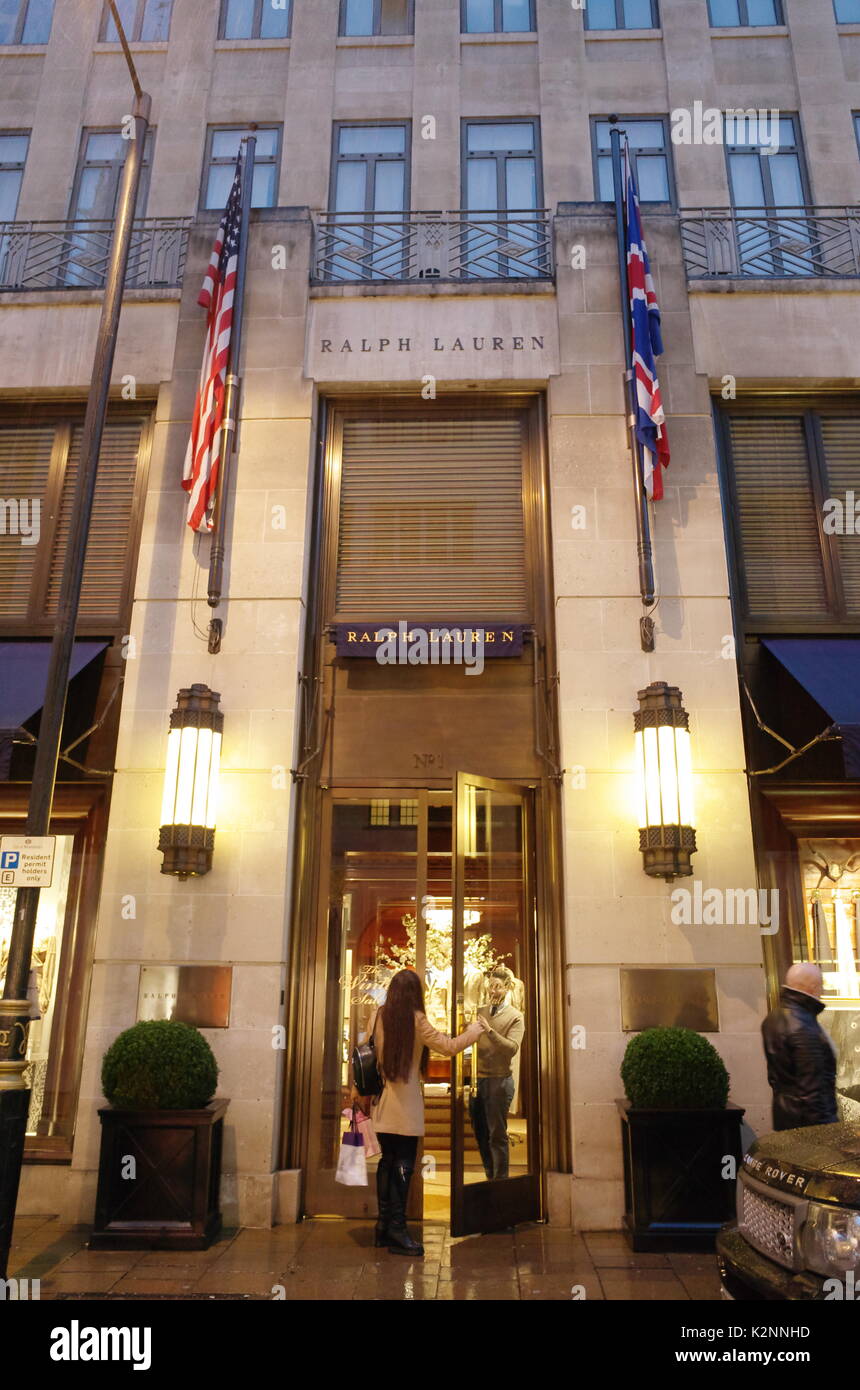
494	1169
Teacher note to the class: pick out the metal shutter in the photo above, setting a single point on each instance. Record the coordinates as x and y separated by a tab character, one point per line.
25	465
840	436
431	519
777	522
106	564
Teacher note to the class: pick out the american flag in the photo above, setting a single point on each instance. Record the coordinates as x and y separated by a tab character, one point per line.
646	343
200	474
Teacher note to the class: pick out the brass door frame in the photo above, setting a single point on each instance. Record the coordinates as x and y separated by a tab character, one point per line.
490	1205
312	781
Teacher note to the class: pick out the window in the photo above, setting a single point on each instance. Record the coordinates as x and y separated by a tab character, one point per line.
222	151
766	175
501	193
857	127
359	17
498	16
744	14
38	468
25	21
97	181
792	477
369	194
255	19
621	14
847	11
144	21
649	154
13	156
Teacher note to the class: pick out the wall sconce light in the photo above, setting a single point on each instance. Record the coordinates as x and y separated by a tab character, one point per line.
189	804
664	771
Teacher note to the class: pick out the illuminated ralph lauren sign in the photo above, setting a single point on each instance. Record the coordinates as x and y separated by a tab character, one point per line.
366	639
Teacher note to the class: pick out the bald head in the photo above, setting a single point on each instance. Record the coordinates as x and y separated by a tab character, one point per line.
806	977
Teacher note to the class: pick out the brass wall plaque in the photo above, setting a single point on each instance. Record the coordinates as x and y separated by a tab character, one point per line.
196	994
656	998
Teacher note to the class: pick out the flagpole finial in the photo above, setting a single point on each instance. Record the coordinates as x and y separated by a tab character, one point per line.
613	120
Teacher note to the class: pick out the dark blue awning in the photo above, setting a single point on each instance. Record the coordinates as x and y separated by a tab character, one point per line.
829	669
24	672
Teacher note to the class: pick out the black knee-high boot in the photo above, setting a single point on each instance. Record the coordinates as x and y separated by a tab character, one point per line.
400	1241
383	1198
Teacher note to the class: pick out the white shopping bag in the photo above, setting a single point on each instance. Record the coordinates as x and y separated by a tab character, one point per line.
352	1161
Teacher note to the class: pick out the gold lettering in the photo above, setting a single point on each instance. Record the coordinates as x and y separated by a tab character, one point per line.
507	636
350	637
365	637
489	635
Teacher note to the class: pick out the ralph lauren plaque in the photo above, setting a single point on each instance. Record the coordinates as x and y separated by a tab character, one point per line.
657	998
196	994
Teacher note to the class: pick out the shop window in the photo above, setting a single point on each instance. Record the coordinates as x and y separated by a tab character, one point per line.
367	17
26	21
254	19
13	156
39	460
744	14
621	14
144	21
649	154
222	151
498	16
791	477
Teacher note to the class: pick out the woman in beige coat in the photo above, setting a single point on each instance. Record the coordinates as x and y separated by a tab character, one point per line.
402	1036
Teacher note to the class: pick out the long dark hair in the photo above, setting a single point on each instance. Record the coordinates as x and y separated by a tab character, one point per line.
405	998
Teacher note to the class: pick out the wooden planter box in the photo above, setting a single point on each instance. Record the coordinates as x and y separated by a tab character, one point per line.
675	1195
172	1202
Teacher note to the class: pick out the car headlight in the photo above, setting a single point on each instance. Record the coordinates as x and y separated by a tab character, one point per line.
831	1239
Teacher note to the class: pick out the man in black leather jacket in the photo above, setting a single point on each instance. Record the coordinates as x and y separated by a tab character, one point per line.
801	1061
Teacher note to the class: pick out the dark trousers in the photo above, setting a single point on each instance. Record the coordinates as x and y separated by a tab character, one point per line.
489	1111
398	1148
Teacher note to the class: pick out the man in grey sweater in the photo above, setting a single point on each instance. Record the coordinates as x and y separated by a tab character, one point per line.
497	1047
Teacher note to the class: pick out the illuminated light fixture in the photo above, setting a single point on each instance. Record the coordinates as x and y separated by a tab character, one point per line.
664	771
189	805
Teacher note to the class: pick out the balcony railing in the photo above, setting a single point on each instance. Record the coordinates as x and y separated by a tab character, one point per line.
750	244
458	246
75	255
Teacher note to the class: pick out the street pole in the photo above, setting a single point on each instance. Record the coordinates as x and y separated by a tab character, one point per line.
643	521
229	428
14	1006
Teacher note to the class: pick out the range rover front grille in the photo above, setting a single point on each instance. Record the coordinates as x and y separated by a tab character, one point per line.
769	1222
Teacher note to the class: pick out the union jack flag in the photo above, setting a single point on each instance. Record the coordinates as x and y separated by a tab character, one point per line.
200	473
646	343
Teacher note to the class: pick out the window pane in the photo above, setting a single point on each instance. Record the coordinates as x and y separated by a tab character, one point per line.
637	14
848	11
389	186
725	13
481	190
10	187
479	16
107	146
225	144
13	148
600	14
359	17
490	136
605	186
653	178
364	139
218	185
762	12
746	180
8	20
127	10
156	20
521	183
239	19
351	186
786	180
37	25
97	192
275	21
643	135
263	192
516	16
267	144
394	18
787	133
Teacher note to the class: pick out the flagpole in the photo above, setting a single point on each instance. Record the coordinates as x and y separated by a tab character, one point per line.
231	403
643	521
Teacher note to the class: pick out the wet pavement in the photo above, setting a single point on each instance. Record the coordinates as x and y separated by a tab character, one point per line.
336	1260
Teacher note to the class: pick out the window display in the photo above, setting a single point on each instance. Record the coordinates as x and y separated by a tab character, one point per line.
831	891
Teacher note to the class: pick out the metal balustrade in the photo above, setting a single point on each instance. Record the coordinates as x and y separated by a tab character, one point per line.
75	255
352	247
789	243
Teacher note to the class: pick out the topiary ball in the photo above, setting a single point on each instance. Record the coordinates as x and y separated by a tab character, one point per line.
674	1069
159	1065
